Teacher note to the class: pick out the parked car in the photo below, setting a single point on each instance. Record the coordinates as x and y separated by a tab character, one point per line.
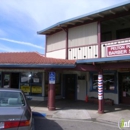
15	113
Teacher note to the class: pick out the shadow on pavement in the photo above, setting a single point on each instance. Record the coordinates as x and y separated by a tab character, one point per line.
41	123
82	105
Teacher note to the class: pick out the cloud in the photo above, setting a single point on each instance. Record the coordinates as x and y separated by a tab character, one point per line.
40	14
21	19
22	43
9	49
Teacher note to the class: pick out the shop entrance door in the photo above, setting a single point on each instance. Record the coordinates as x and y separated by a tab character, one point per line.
10	80
14	80
70	86
124	88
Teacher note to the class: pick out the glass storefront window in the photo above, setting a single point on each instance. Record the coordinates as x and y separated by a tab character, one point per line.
36	83
126	86
0	81
6	81
25	77
31	83
25	82
108	81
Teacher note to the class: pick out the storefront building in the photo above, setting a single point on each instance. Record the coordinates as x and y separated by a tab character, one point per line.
89	54
29	71
100	44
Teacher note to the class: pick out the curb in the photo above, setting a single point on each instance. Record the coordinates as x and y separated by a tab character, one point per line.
38	114
107	122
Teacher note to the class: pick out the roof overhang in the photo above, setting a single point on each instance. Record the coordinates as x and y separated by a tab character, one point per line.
36	66
89	17
103	60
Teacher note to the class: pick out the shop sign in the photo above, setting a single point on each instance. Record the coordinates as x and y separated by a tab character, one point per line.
36	89
52	77
25	89
118	50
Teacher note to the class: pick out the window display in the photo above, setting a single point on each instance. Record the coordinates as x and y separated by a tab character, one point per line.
25	82
0	81
108	81
31	83
36	83
126	86
6	81
25	77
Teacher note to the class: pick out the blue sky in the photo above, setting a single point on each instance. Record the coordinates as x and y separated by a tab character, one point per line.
21	19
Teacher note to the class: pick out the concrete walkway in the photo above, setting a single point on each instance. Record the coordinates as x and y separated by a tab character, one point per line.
80	110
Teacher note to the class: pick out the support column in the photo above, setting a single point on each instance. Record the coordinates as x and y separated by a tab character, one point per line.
66	55
100	93
99	38
45	45
51	91
51	97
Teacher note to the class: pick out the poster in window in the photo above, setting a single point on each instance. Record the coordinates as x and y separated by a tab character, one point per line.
36	89
25	89
25	77
36	80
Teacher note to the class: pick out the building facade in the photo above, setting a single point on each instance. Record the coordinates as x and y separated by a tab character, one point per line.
29	71
99	42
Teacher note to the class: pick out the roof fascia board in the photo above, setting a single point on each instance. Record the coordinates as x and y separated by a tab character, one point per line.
116	65
98	60
36	66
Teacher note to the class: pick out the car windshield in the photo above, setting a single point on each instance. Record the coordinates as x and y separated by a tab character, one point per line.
11	99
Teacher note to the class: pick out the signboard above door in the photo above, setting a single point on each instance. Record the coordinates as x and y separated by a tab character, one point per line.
118	50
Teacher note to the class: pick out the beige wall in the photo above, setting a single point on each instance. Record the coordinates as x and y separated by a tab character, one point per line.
56	41
57	54
81	90
83	35
86	52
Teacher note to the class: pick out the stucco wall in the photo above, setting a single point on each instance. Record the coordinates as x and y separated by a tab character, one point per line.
57	54
56	41
81	90
82	35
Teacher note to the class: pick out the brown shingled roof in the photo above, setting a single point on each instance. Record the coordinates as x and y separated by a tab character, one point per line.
31	58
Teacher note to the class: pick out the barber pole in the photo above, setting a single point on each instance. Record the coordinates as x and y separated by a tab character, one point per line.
100	93
100	87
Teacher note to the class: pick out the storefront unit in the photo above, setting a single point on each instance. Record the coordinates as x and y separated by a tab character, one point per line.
30	82
124	86
116	72
29	71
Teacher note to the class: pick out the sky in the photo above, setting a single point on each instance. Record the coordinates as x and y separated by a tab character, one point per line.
20	20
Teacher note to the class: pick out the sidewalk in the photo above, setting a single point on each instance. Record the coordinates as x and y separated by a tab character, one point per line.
80	110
